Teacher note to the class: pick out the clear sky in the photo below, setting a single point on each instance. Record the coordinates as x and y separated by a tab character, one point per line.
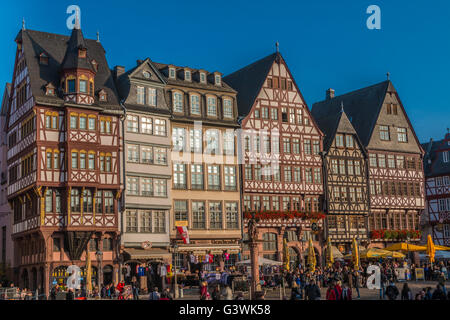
325	42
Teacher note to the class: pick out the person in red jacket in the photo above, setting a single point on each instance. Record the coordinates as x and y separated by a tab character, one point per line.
120	287
339	290
333	292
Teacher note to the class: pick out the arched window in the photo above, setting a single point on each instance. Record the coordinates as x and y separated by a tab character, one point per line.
87	201
75	200
49	200
269	241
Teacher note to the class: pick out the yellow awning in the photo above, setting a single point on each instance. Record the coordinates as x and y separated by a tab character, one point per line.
441	248
377	253
403	246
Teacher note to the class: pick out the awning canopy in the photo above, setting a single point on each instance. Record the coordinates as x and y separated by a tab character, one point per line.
157	254
402	246
377	253
262	262
211	248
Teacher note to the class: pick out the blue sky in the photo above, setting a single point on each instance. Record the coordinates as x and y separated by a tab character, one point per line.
326	43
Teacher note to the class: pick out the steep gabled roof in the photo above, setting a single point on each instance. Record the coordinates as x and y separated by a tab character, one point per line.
249	80
71	58
433	162
55	46
333	123
362	107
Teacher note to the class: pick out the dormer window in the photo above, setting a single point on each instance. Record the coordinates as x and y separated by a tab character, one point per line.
217	79
187	75
71	85
49	90
202	77
95	65
102	95
43	59
81	53
172	73
83	86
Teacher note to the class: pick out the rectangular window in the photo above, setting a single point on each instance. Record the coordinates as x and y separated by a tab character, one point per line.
402	135
227	108
160	187
334	166
71	85
286	145
83	86
317	175
198	215
284	116
350	167
146	222
91	123
146	125
133	186
342	167
197	176
297	174
160	155
213	177
73	122
215	215
258	176
231	209
308	175
400	162
140	95
177	102
339	140
287	171
248	172
160	127
349	141
133	153
307	147
228	143
230	177
357	168
132	123
181	210
382	161
152	97
195	104
74	160
82	122
146	154
147	187
212	106
445	156
212	141
292	115
296	145
316	147
91	161
178	139
196	140
373	160
131	224
384	133
179	176
391	161
265	112
274	113
159	221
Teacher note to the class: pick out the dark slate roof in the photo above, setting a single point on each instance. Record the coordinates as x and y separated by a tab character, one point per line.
437	167
55	46
249	80
71	58
332	124
195	83
361	106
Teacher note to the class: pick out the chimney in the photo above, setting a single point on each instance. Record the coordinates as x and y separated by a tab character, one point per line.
118	71
330	94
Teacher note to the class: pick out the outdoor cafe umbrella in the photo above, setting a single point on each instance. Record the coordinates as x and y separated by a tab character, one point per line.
311	256
330	258
88	271
355	254
402	246
376	253
261	261
286	255
431	250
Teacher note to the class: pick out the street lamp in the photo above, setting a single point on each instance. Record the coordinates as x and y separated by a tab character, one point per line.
99	256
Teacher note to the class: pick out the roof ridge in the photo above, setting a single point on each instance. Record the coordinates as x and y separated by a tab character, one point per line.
253	63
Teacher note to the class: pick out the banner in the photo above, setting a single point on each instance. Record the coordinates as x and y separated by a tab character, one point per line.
183	231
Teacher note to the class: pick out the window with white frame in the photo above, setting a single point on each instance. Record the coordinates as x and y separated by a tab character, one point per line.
212	141
152	97
133	186
160	127
147	187
177	102
140	95
133	153
215	215
213	177
172	73
231	210
178	139
198	215
146	125
187	75
160	187
445	156
402	135
202	77
212	106
159	221
196	140
146	222
132	123
227	108
160	155
197	176
146	154
195	104
228	142
384	133
230	177
131	221
217	79
179	176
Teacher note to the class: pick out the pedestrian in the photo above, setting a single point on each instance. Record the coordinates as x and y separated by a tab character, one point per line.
346	292
216	293
166	295
53	292
357	282
227	293
392	291
154	295
135	288
296	293
406	292
383	281
438	293
333	292
70	295
204	294
428	294
312	291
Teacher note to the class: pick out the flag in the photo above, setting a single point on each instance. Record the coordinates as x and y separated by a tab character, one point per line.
330	257
88	271
431	250
183	231
355	254
311	256
286	255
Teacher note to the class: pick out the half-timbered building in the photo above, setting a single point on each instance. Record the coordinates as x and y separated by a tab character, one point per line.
63	158
345	179
205	176
437	187
396	178
281	164
145	221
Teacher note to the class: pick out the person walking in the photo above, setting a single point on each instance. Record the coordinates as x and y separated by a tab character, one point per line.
357	282
406	292
383	281
296	293
346	292
438	293
54	292
312	291
332	292
216	293
392	291
204	294
154	295
135	288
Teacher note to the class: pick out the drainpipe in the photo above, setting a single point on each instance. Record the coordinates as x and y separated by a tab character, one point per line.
122	207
